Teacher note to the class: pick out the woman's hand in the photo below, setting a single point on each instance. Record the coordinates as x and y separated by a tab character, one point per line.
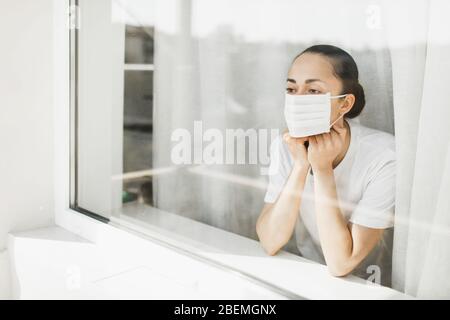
297	149
324	148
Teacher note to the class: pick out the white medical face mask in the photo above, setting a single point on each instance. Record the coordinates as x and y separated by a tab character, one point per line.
309	114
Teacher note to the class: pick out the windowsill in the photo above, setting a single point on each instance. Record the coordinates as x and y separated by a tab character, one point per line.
289	274
53	263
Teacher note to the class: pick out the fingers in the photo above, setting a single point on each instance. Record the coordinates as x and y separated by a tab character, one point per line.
327	138
313	141
321	141
288	139
302	140
324	140
334	136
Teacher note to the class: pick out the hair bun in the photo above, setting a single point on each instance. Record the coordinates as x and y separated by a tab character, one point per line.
360	101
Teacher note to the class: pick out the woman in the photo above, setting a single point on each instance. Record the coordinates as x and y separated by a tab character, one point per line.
335	189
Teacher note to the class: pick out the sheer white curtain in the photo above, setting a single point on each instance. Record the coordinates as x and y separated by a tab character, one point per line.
225	62
421	259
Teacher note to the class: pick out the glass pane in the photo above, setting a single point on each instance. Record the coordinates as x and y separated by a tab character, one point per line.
177	110
137	139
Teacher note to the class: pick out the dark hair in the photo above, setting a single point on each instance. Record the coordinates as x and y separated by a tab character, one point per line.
346	70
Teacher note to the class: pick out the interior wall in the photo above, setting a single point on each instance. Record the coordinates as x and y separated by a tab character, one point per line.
26	114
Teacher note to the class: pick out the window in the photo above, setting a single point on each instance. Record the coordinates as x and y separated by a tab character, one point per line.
176	104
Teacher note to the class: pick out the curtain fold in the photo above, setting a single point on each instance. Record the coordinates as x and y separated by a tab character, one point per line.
422	237
407	40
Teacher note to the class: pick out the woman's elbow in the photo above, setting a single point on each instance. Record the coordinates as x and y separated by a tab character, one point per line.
339	269
269	246
270	249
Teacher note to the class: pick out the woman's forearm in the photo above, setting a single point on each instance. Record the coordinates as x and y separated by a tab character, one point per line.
335	237
275	227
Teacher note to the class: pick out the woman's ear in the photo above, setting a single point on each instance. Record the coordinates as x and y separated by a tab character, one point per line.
349	101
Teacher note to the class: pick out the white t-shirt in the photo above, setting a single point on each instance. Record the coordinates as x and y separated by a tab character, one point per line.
365	185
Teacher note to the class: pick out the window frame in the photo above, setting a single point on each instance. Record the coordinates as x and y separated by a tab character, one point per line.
73	74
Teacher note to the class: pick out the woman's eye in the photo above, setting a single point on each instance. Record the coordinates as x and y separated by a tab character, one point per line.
289	90
313	91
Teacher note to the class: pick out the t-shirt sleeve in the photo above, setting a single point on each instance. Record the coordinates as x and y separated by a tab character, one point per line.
377	205
278	170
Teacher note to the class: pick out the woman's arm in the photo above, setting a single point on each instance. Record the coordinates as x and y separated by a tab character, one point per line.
276	222
344	245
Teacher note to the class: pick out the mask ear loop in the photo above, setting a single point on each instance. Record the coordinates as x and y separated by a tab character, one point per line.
337	120
336	97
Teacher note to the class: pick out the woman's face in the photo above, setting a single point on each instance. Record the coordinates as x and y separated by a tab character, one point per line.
313	74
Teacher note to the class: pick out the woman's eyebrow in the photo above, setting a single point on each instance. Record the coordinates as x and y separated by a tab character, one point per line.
313	80
306	81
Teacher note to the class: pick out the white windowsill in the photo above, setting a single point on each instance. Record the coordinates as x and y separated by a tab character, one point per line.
53	263
287	272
